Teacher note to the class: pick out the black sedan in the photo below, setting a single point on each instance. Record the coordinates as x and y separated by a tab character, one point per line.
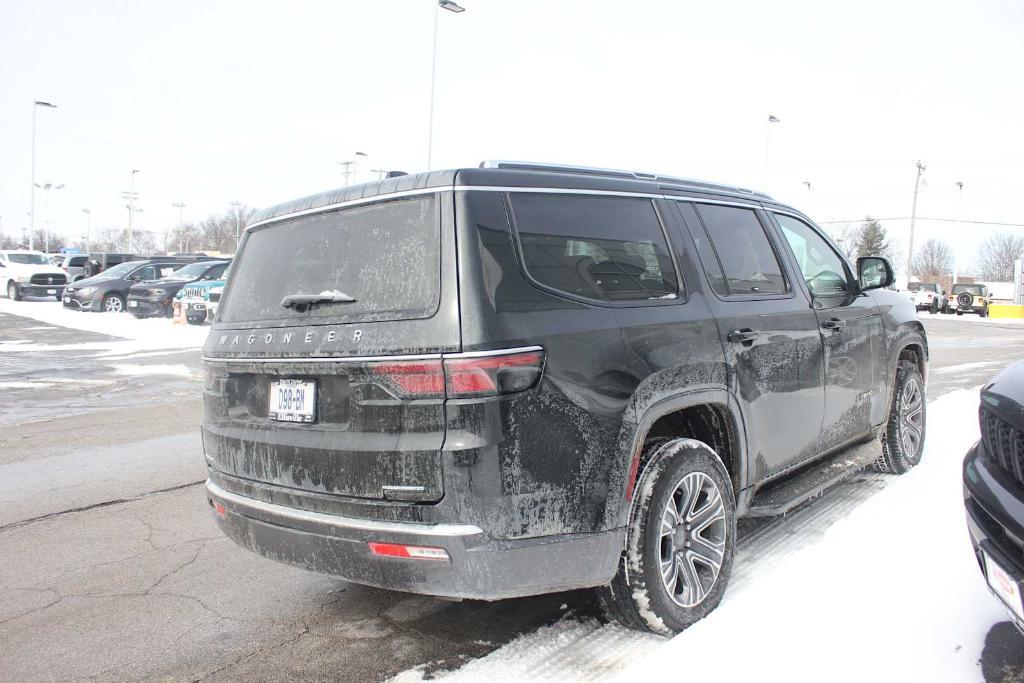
147	299
994	489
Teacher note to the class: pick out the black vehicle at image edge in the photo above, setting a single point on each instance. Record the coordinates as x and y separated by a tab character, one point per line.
516	379
994	489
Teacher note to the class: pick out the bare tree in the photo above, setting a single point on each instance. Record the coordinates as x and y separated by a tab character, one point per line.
845	238
185	237
218	232
933	260
997	254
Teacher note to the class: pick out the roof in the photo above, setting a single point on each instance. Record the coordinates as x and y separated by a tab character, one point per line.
513	174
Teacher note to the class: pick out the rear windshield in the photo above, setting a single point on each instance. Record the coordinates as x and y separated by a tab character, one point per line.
973	289
386	256
923	286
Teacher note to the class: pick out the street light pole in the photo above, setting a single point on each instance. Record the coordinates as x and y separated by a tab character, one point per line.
454	8
238	233
32	202
767	138
180	206
88	230
46	232
355	165
956	242
131	196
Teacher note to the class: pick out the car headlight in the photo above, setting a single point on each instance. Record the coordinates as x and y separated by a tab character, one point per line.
86	291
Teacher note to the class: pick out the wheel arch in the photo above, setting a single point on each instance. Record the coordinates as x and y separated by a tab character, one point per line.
710	415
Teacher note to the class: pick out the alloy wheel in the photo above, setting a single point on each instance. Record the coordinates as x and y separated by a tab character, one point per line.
911	418
113	305
693	536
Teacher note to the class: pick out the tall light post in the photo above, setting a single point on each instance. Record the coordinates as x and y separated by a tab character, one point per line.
767	139
355	165
131	196
380	173
46	187
455	8
88	230
32	202
180	206
956	242
238	231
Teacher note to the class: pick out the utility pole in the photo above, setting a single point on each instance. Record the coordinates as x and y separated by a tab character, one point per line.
380	173
131	196
238	233
959	215
180	206
913	218
347	166
88	230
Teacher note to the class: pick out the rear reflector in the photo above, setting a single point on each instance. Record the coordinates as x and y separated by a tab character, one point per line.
218	508
411	552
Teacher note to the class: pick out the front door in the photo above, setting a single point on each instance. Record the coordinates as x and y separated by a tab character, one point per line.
851	332
769	333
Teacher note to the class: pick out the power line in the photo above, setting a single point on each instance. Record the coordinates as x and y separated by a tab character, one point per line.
922	218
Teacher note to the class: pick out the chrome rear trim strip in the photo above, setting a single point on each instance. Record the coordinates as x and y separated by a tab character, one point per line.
372	359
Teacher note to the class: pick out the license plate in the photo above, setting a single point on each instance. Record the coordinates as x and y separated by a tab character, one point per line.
292	400
133	304
1005	586
51	291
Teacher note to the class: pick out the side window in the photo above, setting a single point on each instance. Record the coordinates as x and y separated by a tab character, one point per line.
145	273
822	268
164	271
604	248
748	261
216	272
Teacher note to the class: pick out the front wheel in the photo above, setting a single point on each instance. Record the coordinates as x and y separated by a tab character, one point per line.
680	540
903	442
113	303
195	320
13	293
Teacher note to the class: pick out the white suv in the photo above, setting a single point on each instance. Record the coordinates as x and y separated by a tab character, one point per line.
30	273
928	296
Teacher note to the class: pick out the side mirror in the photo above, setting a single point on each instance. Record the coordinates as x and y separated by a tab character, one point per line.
874	272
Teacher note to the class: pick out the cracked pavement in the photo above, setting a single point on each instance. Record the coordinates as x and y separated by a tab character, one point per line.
113	567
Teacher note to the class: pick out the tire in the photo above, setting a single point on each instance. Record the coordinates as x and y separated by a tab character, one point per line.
58	297
113	303
959	312
89	269
195	320
13	292
983	312
903	442
639	596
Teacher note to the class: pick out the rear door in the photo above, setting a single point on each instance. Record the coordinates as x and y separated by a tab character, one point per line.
338	397
851	332
769	333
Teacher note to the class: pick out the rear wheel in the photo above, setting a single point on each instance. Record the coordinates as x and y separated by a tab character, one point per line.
13	293
983	312
903	442
680	540
113	303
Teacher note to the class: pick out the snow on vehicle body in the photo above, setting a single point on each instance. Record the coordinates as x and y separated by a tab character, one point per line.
30	273
517	379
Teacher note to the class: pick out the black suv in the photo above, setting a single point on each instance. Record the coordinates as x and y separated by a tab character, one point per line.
155	298
108	291
517	379
994	489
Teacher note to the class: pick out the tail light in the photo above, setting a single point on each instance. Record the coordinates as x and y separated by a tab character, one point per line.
409	552
462	376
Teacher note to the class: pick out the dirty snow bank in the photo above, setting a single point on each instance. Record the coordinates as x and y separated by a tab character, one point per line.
148	333
891	592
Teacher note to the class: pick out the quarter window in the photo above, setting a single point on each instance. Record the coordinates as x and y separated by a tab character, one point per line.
823	269
742	247
604	248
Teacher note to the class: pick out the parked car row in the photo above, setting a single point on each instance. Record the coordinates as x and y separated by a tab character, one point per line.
145	287
965	298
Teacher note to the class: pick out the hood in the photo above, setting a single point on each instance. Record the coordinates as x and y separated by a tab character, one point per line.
92	281
33	269
1005	394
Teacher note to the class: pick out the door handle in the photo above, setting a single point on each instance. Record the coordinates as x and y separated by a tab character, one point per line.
833	324
744	336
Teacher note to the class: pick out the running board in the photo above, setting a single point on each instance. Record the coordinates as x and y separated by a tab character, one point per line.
780	497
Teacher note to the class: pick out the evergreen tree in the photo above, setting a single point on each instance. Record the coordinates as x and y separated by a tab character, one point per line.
872	240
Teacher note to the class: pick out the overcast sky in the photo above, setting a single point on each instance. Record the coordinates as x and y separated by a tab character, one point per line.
217	101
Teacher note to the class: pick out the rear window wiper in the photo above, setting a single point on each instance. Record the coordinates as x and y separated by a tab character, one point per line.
301	302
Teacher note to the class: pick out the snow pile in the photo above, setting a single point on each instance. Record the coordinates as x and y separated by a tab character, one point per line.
176	370
148	333
891	592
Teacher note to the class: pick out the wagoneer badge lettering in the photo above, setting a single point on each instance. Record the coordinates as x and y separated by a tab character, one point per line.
286	338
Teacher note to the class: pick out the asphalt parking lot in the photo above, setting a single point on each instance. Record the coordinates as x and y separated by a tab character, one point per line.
114	568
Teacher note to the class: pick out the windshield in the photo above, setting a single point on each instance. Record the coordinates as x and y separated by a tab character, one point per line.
191	271
119	271
29	259
973	289
386	256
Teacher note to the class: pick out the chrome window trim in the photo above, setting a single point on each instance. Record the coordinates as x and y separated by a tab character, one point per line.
373	359
746	203
339	521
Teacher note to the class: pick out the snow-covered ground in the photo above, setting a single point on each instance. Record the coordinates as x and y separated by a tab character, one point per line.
890	593
143	335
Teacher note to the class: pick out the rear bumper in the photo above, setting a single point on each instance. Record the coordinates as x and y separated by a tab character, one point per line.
995	515
479	567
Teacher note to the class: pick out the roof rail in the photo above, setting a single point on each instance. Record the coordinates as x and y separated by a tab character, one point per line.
613	173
